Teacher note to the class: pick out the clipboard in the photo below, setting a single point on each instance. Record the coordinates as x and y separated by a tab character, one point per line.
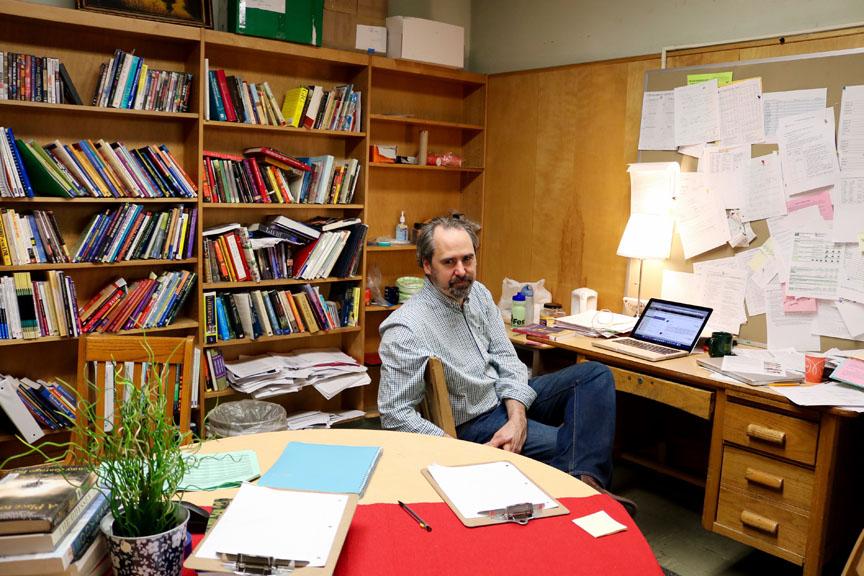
265	566
518	512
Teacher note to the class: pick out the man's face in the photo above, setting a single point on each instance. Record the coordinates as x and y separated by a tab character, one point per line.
453	263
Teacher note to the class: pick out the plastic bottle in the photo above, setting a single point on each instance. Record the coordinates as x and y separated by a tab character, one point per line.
528	291
402	229
517	317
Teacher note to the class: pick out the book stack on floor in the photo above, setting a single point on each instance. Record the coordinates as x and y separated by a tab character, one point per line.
132	232
35	79
49	523
125	81
232	99
153	302
34	406
36	308
257	313
319	109
30	238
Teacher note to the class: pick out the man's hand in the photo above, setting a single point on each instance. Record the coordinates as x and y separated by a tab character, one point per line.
511	436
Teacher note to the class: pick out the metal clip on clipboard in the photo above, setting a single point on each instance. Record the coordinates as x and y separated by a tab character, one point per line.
518	513
259	565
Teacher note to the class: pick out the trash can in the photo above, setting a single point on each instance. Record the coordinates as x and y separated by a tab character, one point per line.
245	417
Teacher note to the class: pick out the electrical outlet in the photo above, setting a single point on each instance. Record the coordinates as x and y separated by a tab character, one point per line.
630	306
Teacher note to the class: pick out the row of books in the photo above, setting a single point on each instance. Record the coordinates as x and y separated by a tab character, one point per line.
231	255
50	404
37	308
125	81
336	253
30	238
148	303
238	315
339	108
133	233
232	99
264	176
35	79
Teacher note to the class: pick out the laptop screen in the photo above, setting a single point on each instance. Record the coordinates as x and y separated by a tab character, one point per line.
672	324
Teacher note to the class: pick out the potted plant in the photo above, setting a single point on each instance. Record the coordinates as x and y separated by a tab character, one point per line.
139	462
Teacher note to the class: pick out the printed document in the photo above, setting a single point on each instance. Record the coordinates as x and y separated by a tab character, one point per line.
699	215
721	291
852	275
779	105
827	394
829	322
742	120
657	130
652	185
764	196
850	134
807	153
783	231
814	269
697	113
849	221
852	314
787	330
821	198
726	171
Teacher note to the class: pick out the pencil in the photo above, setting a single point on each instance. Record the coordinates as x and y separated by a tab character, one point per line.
414	515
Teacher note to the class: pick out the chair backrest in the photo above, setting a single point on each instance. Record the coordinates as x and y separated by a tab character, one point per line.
855	564
130	355
435	406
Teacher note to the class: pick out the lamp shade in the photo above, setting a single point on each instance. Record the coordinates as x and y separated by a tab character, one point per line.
646	236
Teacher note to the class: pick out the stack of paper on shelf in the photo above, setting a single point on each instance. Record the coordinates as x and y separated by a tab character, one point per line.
317	419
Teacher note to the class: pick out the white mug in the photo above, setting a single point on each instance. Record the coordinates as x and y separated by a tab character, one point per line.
583	300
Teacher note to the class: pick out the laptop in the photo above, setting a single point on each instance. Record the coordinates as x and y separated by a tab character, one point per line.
664	330
716	364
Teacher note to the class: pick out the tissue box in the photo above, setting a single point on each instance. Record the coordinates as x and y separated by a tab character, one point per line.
425	41
295	20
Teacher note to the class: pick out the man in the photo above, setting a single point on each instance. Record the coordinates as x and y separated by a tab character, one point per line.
565	419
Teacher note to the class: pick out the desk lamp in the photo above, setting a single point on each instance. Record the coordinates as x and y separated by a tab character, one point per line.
646	236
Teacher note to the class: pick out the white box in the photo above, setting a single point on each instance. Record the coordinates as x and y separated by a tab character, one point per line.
425	41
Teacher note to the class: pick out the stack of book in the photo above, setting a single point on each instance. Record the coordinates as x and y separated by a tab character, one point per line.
336	252
49	405
332	181
256	313
231	255
30	238
36	308
101	170
215	373
49	523
316	108
14	182
232	99
35	79
133	233
125	81
149	303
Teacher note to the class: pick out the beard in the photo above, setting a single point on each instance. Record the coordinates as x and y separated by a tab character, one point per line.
459	288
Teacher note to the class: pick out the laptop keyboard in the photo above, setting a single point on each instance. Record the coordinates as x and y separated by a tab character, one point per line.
646	346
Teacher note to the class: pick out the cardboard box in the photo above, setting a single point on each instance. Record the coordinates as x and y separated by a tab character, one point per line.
341	18
292	20
426	41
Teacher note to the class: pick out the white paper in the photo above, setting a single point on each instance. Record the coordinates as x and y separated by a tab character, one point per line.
697	113
815	265
849	209
787	330
726	171
699	215
752	365
742	120
374	37
807	153
721	291
783	230
829	322
850	134
852	276
599	524
652	186
754	295
279	523
764	196
657	129
827	394
693	150
852	315
491	486
779	105
269	5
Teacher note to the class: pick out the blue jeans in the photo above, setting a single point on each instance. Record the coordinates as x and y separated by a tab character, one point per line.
571	424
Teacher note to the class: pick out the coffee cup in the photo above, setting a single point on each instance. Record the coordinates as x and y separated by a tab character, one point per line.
720	344
814	366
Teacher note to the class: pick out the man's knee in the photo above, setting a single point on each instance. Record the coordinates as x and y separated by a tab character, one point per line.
596	372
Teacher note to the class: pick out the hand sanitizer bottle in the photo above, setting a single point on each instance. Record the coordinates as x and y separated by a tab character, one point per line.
402	229
528	291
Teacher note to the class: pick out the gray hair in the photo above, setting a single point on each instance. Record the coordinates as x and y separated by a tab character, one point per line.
425	246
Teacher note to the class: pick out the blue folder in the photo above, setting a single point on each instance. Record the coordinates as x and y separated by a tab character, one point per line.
323	468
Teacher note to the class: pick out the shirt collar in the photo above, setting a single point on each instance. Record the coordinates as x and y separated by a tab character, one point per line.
439	297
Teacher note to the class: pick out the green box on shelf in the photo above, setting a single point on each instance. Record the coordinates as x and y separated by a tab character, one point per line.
292	20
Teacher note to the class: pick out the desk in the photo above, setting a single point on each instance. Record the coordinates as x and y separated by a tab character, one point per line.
772	480
397	477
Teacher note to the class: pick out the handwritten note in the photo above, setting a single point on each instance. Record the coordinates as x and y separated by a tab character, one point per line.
700	216
697	113
849	222
807	153
764	196
851	285
742	120
657	129
850	134
726	171
652	186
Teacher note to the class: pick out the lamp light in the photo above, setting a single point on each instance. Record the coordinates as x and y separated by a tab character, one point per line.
646	236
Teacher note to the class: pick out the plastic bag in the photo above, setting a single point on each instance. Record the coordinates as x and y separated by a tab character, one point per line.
509	287
373	284
245	417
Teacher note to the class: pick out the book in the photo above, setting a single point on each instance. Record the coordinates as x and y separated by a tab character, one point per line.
323	468
46	541
540	332
37	499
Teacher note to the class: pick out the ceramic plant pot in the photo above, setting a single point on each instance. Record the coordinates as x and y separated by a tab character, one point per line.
157	555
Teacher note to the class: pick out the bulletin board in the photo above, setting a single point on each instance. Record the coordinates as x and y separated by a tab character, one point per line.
831	70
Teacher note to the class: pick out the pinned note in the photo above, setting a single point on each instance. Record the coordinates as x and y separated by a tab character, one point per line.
723	78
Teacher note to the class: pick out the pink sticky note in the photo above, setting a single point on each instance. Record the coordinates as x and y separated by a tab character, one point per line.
820	198
793	304
850	371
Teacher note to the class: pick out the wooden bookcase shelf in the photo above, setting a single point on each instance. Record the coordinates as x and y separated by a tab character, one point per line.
410	121
281	282
427	168
393	248
98	265
24	107
178	324
211	124
284	337
278	207
372	308
76	201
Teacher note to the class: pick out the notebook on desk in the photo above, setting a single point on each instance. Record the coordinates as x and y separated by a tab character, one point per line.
664	330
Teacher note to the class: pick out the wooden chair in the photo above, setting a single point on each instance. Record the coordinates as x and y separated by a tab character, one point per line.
435	406
855	564
175	352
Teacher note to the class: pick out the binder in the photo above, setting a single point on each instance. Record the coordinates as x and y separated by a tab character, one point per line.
518	510
17	411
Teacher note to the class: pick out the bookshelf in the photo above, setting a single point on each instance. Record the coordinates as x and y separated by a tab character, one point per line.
398	100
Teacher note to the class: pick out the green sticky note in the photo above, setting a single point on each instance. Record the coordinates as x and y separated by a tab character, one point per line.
723	78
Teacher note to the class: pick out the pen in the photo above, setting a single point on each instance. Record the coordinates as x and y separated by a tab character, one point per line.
414	515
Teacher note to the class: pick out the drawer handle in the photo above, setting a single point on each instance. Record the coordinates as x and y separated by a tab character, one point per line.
759	522
764	479
766	434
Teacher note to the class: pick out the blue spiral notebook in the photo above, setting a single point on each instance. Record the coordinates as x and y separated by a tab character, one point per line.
323	468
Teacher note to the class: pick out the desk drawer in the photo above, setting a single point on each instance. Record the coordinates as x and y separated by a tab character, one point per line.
687	398
763	477
771	432
758	523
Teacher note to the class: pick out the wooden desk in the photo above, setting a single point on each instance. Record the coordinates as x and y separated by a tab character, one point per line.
772	480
